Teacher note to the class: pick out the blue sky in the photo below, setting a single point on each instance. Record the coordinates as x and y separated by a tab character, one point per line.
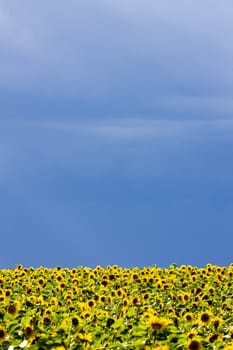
116	133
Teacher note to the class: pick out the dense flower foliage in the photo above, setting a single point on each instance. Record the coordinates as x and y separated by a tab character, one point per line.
117	308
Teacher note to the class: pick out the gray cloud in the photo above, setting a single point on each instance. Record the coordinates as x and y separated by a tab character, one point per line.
129	129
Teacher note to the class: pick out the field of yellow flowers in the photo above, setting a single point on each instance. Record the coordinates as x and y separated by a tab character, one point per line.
110	307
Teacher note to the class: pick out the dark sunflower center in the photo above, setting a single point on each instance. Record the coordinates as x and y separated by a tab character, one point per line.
205	317
2	333
194	345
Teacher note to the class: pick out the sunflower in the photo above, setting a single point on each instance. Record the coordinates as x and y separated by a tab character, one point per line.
91	303
119	292
192	334
211	290
194	344
217	322
28	331
146	296
188	317
104	282
125	301
54	301
2	298
76	322
205	317
180	298
158	324
46	320
84	337
86	315
228	347
8	292
186	297
3	334
135	300
41	281
13	309
214	337
161	347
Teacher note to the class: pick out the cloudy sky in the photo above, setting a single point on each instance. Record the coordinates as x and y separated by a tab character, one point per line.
116	132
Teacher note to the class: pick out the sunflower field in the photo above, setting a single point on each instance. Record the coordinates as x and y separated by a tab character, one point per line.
179	307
